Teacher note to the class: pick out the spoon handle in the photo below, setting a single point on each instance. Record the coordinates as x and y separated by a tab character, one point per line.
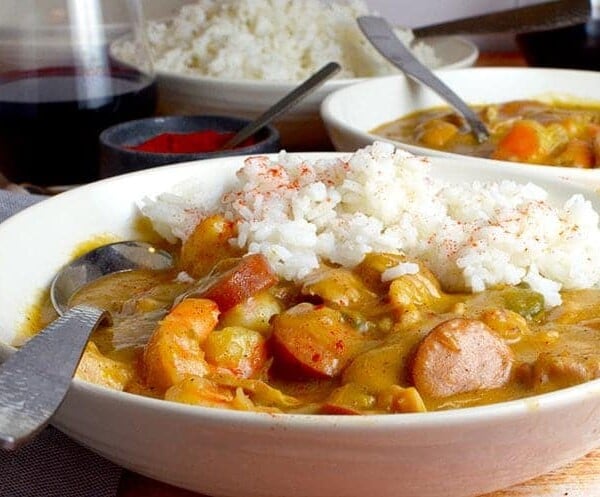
35	379
382	36
284	104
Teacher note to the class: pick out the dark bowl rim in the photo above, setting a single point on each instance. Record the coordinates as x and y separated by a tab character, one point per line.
272	137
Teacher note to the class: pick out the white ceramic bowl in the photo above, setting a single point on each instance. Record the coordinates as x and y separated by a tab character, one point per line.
301	128
217	452
351	113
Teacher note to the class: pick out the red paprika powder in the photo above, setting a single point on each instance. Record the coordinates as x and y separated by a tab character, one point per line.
207	140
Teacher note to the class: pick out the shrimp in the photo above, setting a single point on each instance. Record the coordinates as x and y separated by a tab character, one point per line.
174	351
207	245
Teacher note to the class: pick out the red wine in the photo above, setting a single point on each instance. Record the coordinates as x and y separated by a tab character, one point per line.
50	120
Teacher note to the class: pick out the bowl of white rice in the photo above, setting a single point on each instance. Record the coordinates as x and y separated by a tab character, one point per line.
239	57
510	224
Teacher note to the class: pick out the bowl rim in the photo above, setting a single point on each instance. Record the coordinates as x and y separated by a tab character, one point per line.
433	419
272	135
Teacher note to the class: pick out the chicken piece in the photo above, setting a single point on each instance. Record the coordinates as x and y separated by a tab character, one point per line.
338	287
559	370
96	368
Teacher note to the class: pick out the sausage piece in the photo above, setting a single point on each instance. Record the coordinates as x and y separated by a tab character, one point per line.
312	342
250	276
460	355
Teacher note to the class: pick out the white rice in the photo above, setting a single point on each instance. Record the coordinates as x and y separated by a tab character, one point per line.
275	40
471	235
401	269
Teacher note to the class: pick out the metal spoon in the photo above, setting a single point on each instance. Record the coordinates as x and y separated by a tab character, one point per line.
379	32
34	380
281	106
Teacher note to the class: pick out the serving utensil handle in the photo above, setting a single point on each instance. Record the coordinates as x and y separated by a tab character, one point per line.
35	379
379	32
283	105
538	17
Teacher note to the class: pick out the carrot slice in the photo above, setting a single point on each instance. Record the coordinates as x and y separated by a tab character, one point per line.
251	275
521	143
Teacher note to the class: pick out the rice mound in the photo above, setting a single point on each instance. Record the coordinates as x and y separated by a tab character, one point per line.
299	213
275	40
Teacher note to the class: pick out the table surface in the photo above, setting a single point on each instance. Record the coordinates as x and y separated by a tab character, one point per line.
578	479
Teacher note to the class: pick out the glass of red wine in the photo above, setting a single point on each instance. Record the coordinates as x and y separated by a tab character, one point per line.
60	86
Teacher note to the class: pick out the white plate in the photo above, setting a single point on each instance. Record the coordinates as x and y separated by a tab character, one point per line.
239	454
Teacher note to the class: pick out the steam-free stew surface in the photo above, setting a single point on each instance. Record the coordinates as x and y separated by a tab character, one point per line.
528	131
341	342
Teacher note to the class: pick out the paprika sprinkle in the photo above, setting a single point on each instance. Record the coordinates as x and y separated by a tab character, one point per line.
207	140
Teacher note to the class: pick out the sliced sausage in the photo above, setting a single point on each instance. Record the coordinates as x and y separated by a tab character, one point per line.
460	355
312	341
251	275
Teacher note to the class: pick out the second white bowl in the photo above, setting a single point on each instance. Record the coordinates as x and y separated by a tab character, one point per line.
350	114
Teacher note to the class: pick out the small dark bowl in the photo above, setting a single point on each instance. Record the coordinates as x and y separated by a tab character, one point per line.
116	158
572	47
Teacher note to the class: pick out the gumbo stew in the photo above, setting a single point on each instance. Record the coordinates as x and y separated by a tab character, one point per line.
527	131
222	330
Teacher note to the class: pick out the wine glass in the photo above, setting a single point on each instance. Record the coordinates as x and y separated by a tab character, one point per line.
60	87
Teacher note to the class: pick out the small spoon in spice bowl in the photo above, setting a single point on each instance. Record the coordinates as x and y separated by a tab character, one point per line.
35	378
158	141
381	35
